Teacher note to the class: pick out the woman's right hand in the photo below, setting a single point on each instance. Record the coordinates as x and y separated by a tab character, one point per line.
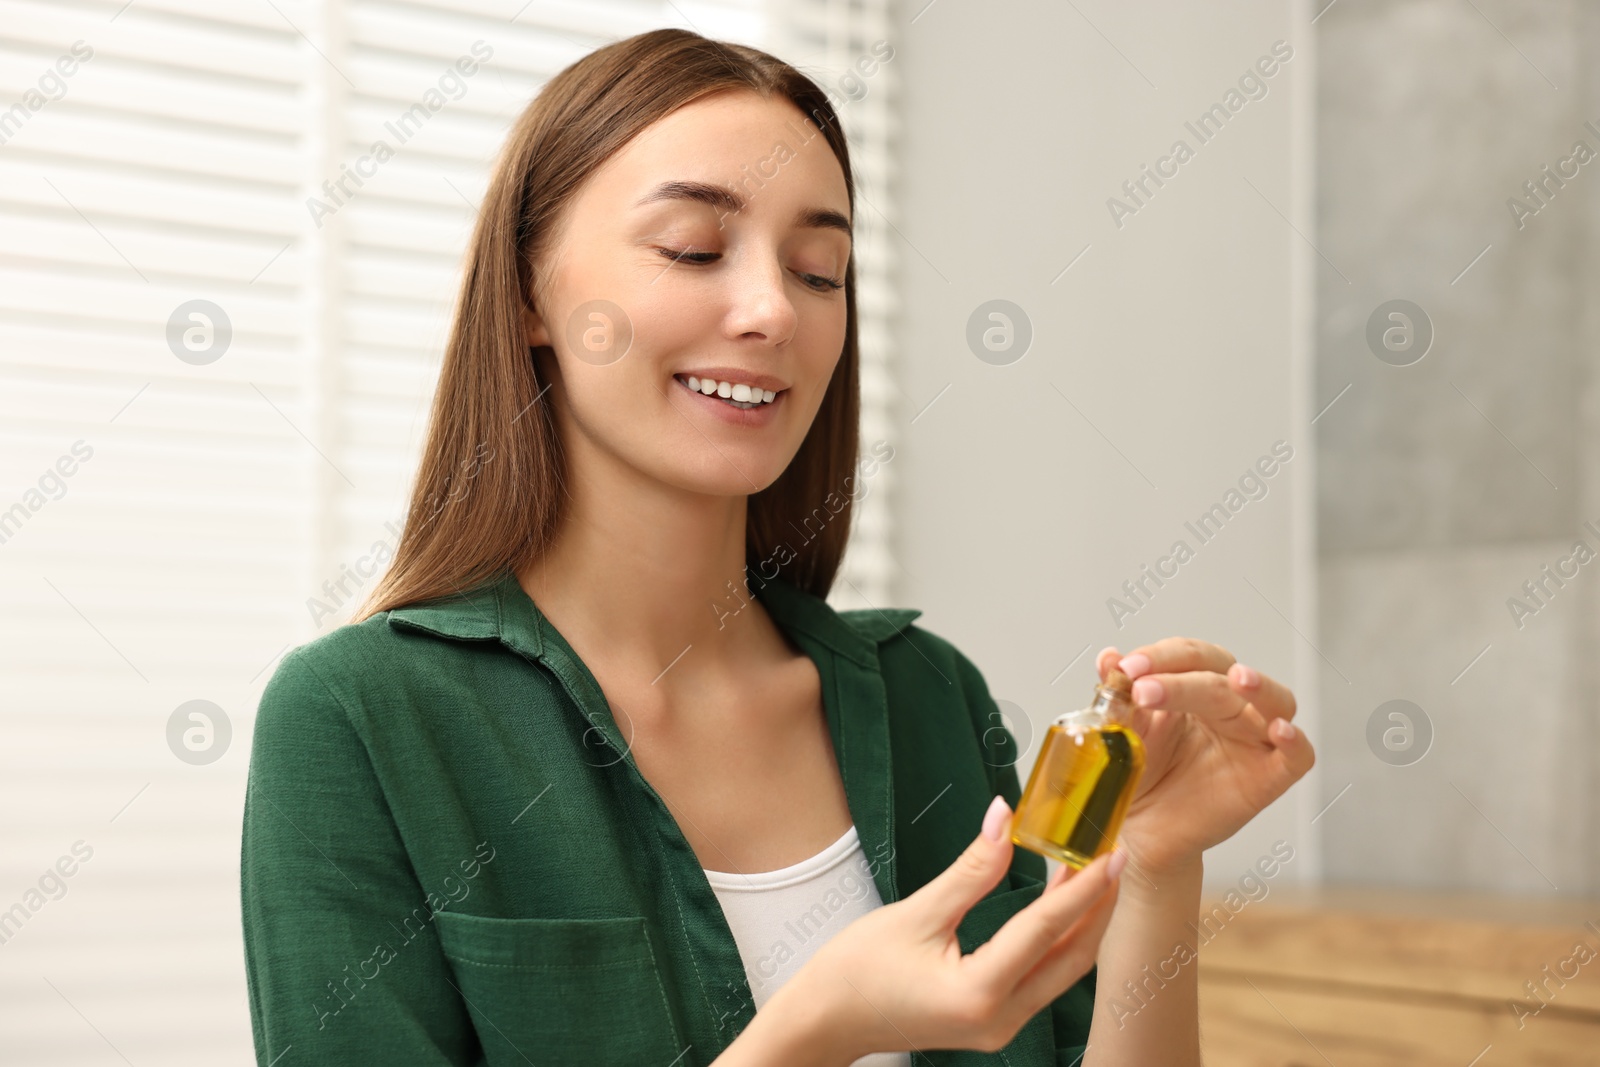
896	979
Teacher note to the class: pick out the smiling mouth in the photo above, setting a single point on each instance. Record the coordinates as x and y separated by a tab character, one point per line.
737	394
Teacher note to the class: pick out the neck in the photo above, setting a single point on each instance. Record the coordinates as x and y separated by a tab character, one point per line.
640	571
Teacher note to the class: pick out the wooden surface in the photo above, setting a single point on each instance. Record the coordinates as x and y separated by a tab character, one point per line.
1362	978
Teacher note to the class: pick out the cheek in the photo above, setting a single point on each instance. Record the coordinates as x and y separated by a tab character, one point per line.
823	362
626	410
804	413
612	400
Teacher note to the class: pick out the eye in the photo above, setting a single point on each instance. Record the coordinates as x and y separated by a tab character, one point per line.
690	255
819	282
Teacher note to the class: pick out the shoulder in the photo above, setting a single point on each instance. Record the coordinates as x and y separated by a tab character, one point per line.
361	696
919	667
927	677
922	664
911	654
341	652
308	690
305	739
352	666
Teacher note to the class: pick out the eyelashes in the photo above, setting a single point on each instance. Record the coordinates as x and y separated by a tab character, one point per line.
819	282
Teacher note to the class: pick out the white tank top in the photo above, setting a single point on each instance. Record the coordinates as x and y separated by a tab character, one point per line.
779	918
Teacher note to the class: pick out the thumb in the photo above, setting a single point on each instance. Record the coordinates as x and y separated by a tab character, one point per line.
1293	750
977	870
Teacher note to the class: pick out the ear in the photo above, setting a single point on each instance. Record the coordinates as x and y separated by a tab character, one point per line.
534	329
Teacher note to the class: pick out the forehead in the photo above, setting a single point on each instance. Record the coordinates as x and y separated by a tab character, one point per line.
764	146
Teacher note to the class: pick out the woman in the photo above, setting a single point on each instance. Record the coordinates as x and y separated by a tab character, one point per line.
550	798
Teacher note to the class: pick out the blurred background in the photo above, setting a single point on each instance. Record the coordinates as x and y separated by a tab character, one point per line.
1267	323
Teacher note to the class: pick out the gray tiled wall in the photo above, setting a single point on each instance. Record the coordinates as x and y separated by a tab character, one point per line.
1447	484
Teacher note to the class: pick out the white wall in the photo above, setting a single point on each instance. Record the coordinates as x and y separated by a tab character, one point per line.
1170	356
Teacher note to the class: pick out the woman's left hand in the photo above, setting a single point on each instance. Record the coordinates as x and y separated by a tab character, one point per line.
1219	747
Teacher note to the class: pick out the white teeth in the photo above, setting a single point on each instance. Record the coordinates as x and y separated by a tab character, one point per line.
738	393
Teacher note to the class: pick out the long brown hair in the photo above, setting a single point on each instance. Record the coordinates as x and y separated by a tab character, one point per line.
491	485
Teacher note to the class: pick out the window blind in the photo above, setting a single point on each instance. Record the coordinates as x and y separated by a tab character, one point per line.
214	383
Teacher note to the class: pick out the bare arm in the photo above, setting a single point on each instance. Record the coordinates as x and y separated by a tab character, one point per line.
788	1031
1151	944
1220	746
897	978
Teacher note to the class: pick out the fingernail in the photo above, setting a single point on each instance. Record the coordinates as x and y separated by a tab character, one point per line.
1248	676
995	818
1285	729
1148	692
1114	865
1135	665
1103	651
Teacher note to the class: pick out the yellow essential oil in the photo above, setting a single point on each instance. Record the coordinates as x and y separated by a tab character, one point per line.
1083	780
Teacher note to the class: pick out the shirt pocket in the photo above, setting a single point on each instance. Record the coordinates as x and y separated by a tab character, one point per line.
561	990
1035	1044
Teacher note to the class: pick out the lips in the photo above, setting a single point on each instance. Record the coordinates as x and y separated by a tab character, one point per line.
740	392
734	376
729	410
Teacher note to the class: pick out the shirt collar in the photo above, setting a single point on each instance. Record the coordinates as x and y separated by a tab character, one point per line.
500	609
858	715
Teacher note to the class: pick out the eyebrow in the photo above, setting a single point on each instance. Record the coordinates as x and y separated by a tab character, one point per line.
731	203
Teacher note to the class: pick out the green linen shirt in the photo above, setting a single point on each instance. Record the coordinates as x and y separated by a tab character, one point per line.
449	855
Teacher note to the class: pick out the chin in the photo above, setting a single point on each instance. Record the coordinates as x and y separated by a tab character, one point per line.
728	484
709	473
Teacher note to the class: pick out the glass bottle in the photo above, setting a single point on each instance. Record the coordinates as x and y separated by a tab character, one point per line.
1083	780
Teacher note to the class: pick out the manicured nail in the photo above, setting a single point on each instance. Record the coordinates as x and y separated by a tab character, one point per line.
1114	865
1135	665
1284	729
1248	677
995	818
1149	692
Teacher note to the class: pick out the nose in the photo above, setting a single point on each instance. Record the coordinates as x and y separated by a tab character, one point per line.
760	304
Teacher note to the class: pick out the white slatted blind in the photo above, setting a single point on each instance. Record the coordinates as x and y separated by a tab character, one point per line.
175	562
164	170
848	48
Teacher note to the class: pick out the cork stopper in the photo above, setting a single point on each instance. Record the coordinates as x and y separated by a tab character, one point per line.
1119	683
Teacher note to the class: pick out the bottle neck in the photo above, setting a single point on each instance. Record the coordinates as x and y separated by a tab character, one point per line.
1109	705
